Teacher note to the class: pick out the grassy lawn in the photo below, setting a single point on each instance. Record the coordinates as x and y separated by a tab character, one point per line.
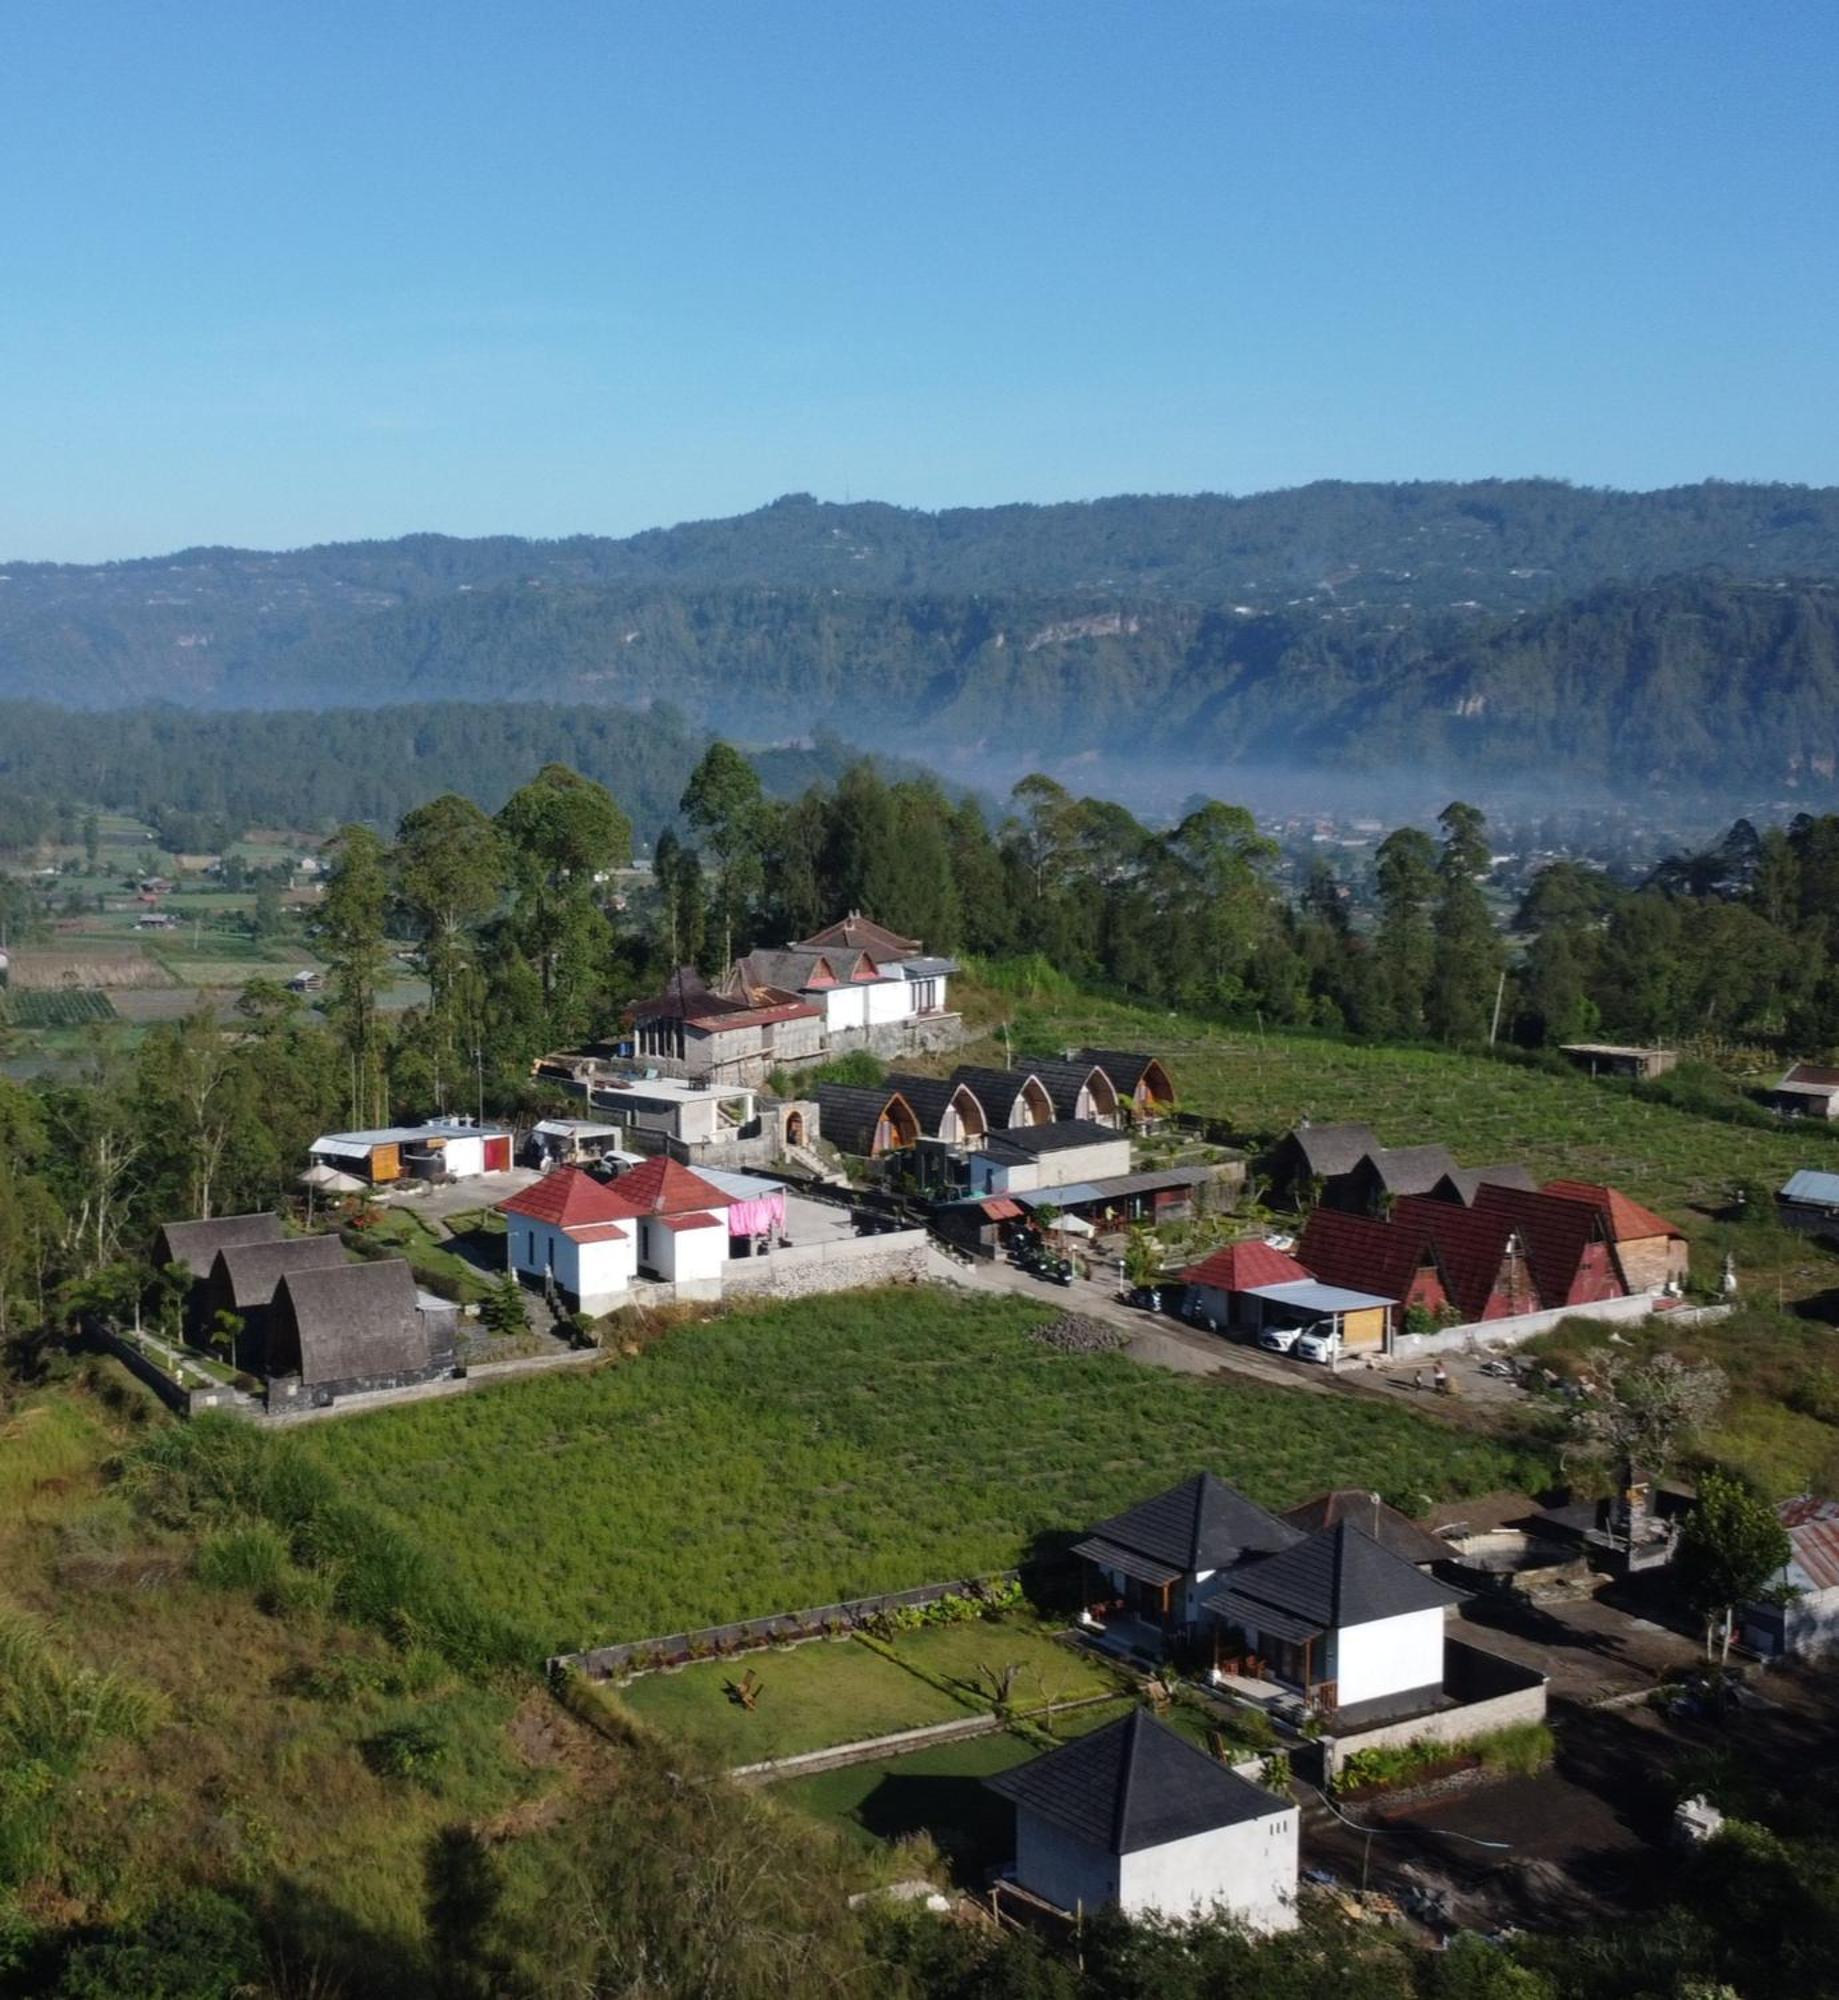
811	1696
1050	1670
413	1237
800	1454
938	1791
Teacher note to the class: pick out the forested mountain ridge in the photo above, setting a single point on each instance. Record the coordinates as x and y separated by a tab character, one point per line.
1625	636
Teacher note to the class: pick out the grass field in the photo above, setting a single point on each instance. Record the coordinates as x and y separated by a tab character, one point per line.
811	1696
800	1454
938	1792
1051	1671
257	1766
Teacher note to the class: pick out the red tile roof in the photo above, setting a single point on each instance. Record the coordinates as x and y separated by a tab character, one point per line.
860	933
1556	1231
569	1198
1470	1246
1240	1266
663	1187
1627	1219
1360	1254
676	1224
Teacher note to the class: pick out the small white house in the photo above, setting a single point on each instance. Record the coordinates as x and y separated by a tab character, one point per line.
573	1233
1133	1816
1355	1629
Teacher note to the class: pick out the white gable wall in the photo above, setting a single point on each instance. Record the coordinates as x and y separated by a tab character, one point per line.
891	1000
1248	1869
1388	1656
844	1006
596	1273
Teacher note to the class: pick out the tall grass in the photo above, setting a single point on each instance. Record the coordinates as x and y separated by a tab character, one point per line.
275	1517
52	1715
798	1454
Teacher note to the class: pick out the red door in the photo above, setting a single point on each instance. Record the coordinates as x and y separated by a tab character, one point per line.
498	1154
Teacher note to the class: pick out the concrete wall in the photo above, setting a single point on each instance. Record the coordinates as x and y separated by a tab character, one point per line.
1511	1331
1067	1872
1489	1692
1807	1629
1085	1163
1388	1656
899	1257
1248	1869
890	1002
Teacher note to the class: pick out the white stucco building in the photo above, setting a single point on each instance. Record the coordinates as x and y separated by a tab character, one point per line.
1355	1629
571	1233
590	1239
1135	1817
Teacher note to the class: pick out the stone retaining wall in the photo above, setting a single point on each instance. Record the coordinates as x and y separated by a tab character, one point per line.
898	1257
777	1628
186	1401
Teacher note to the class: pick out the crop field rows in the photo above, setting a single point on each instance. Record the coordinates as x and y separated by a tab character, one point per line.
1488	1113
67	1007
813	1452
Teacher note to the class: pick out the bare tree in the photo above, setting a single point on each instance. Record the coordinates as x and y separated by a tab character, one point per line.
1643	1408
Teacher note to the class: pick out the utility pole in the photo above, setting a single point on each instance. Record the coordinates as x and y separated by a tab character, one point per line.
1500	993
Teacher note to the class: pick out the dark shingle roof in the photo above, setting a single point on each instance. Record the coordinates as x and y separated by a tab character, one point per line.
1462	1183
998	1088
931	1097
848	1114
252	1271
1065	1080
1126	1068
348	1322
1333	1149
196	1244
1410	1169
1201	1524
1133	1785
1388	1527
1339	1577
1059	1137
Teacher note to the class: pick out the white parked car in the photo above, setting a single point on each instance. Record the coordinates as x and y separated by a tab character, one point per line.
1318	1344
1279	1339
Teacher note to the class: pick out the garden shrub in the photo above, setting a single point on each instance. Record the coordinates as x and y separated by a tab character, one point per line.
1520	1750
412	1750
252	1558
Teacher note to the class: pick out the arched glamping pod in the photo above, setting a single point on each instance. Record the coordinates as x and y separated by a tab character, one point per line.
866	1122
1080	1090
1010	1097
950	1112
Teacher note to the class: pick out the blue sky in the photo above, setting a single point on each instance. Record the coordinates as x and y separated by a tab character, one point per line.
273	274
